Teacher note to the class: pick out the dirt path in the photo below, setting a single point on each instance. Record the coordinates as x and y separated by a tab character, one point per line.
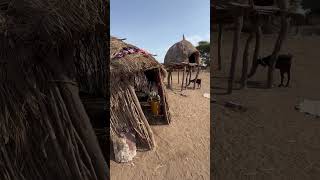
182	150
271	140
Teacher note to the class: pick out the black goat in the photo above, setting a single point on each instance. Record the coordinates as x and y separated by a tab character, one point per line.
198	82
283	63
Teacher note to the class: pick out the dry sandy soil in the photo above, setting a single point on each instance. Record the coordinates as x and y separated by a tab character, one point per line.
271	140
183	147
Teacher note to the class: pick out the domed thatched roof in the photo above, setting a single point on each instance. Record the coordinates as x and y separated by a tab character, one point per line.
180	53
130	63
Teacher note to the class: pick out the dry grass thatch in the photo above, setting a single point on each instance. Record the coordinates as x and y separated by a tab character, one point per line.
130	64
125	110
180	52
54	19
127	75
45	132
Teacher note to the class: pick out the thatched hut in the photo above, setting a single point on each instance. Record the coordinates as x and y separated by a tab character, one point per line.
182	55
182	52
132	77
51	50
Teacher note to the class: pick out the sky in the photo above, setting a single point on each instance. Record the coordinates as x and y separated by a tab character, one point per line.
155	25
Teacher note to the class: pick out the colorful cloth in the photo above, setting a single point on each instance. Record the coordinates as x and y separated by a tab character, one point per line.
131	50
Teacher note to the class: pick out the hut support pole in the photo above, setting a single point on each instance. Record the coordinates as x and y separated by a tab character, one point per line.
178	76
163	98
168	79
219	47
245	61
188	75
171	82
195	79
282	36
184	71
254	65
236	39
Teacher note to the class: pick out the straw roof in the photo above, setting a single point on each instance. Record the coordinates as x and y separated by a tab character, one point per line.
131	63
48	20
180	52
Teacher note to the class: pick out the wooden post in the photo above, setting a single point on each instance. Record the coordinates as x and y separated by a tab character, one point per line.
163	99
184	71
219	47
195	79
178	76
236	39
168	78
188	73
143	117
245	61
254	65
282	36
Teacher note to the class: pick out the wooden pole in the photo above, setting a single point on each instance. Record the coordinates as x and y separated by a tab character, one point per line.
245	61
188	72
195	79
163	98
219	47
236	40
184	71
143	117
281	38
168	78
178	76
254	65
171	82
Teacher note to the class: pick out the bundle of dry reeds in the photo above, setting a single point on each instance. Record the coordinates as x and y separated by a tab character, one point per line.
91	66
126	114
45	132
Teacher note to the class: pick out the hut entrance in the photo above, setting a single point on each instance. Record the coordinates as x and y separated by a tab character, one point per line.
150	93
194	57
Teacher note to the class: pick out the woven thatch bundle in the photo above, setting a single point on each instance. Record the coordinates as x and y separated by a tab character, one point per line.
180	53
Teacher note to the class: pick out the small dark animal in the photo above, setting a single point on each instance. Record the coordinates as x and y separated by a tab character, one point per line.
198	82
283	63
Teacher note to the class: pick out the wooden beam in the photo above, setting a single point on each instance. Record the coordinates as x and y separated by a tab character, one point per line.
163	99
236	39
143	117
184	71
168	78
254	65
195	79
171	82
244	76
220	26
178	76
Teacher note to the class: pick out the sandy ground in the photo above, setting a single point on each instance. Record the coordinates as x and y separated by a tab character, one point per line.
271	140
182	150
